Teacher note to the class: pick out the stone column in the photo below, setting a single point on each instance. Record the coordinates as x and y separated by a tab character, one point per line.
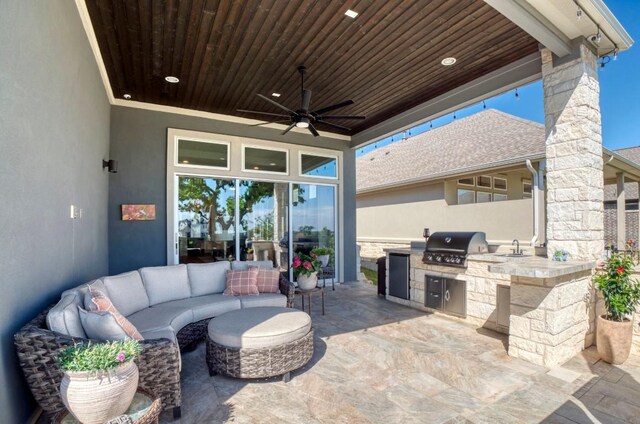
574	153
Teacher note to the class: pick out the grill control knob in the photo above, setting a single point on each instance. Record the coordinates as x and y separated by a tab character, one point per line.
438	258
458	260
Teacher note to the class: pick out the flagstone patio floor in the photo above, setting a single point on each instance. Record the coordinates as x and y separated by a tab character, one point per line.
380	362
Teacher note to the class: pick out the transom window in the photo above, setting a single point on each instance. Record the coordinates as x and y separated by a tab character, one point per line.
265	160
203	153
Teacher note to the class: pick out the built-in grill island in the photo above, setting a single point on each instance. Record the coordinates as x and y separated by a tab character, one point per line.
543	306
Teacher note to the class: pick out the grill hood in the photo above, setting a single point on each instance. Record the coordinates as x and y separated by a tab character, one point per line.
459	242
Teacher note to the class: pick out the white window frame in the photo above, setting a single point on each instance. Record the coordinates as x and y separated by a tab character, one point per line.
243	167
303	152
526	195
489	187
458	196
465	184
500	194
506	184
190	165
484	192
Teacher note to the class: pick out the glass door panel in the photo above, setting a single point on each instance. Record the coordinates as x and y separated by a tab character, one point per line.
206	219
264	223
314	221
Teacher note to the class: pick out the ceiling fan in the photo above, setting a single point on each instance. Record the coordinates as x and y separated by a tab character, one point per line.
303	117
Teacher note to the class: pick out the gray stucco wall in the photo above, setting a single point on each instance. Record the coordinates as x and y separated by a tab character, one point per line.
54	132
139	143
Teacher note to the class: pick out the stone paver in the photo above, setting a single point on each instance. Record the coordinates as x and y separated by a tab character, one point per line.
379	362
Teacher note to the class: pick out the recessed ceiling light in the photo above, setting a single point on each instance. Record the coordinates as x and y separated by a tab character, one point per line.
256	167
272	164
221	158
350	13
172	80
275	94
127	96
185	161
448	61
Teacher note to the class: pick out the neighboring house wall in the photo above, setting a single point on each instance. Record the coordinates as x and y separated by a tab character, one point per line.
393	218
139	142
54	120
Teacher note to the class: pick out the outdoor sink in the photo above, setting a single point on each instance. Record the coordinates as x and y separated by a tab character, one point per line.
511	255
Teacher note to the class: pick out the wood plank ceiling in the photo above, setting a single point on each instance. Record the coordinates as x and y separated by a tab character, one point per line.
225	52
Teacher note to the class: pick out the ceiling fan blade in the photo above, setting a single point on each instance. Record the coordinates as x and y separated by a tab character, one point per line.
333	107
288	128
341	117
306	99
313	130
333	125
262	113
276	104
272	122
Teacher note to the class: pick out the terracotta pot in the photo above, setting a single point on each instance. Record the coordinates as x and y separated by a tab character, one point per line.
307	282
96	398
613	339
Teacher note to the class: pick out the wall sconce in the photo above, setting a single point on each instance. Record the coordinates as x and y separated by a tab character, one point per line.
111	165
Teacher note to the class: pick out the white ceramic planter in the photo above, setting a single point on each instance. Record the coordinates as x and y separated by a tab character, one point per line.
95	398
324	259
307	282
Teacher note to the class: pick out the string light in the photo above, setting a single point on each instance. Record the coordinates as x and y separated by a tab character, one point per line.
454	115
517	95
430	124
484	105
598	36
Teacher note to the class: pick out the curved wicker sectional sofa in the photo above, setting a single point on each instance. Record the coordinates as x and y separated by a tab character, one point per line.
181	302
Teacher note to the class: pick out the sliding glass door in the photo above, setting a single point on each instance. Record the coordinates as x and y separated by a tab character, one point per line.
227	219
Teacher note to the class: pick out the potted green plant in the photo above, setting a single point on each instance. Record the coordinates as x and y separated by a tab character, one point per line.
560	255
250	254
100	379
305	269
323	254
621	295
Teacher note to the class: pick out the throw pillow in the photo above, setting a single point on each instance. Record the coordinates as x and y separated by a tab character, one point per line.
101	326
268	280
101	303
242	282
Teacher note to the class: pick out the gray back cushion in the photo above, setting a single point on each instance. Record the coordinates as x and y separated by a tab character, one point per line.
126	292
247	264
166	283
82	288
209	278
63	318
101	326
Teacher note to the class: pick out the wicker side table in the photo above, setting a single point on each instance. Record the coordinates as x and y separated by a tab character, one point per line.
144	409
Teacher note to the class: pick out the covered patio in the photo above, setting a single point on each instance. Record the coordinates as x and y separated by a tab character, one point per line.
89	83
378	362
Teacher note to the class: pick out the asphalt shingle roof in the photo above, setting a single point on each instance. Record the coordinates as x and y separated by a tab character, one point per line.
486	138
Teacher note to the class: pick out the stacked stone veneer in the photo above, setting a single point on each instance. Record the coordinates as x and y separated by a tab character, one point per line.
482	287
373	250
574	154
552	319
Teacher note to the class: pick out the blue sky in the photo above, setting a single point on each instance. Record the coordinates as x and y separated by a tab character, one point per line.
619	92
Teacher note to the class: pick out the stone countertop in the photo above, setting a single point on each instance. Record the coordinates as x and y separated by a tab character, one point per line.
536	266
519	266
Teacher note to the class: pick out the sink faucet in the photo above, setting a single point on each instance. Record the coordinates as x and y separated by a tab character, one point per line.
517	250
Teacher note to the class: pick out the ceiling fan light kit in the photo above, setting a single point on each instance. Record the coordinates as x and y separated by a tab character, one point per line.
303	117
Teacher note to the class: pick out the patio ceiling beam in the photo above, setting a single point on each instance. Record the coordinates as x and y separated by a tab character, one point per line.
521	13
516	74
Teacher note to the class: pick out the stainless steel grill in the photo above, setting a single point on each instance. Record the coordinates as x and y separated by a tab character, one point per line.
450	248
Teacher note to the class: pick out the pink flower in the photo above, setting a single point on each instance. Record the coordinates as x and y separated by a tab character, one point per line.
621	270
296	262
306	265
120	357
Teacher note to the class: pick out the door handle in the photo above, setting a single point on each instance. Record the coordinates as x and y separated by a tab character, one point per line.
447	296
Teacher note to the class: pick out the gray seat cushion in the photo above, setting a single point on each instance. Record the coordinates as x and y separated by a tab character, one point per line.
161	316
259	327
209	278
63	318
208	306
166	283
263	299
126	292
246	264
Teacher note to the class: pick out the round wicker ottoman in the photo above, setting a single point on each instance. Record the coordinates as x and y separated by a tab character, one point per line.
259	342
